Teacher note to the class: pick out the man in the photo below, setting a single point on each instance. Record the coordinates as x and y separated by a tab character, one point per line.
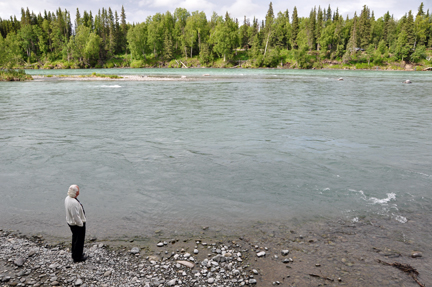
75	218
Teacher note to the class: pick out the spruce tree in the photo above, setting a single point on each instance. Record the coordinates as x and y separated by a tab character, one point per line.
123	28
318	27
77	19
329	14
420	10
311	29
409	28
294	28
364	28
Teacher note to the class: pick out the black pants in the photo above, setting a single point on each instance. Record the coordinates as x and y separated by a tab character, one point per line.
78	235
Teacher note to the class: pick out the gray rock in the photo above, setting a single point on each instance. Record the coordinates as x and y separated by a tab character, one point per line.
285	252
416	254
19	261
172	282
135	250
261	254
160	244
252	281
32	252
211	280
6	279
186	263
108	273
79	282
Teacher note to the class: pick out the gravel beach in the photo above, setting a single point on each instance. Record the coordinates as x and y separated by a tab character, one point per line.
324	254
121	78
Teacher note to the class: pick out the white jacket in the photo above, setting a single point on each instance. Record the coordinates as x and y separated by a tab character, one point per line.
74	212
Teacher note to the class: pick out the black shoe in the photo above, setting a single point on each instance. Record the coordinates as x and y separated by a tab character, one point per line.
82	259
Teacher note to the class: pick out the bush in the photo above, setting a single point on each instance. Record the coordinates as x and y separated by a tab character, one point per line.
14	75
109	65
137	64
272	59
419	54
379	61
362	66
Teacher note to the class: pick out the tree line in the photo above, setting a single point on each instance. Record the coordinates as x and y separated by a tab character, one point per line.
92	40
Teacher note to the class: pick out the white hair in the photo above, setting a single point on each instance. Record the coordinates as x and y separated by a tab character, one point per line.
73	189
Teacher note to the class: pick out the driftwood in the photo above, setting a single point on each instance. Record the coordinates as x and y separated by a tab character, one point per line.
319	276
181	63
184	65
405	268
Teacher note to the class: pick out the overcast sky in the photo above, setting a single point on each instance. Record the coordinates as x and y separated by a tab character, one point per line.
138	10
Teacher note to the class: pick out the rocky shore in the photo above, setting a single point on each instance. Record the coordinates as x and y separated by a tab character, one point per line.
364	253
28	261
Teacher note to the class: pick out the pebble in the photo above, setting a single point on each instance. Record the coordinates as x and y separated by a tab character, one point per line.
416	254
261	254
19	261
53	266
160	244
186	263
285	252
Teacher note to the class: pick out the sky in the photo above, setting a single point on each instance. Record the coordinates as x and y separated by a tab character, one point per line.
139	10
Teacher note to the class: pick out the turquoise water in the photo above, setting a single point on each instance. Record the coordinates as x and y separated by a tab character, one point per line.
224	150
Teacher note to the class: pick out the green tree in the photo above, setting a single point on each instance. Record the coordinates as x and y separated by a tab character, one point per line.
364	28
156	33
137	41
224	37
123	31
92	49
294	28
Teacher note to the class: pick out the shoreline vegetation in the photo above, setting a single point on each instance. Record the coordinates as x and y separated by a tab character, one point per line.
362	253
183	39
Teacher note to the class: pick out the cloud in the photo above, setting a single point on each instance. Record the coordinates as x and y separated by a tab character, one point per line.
241	8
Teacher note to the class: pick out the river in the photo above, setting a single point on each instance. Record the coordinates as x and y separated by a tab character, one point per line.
225	150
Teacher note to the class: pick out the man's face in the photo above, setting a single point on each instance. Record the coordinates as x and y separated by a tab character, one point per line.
77	192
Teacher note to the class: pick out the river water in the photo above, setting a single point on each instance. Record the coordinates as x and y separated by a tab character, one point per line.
226	150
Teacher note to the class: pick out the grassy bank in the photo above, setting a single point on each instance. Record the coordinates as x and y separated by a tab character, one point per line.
14	75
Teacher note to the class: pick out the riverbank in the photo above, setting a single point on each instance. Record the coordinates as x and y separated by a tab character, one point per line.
330	253
101	78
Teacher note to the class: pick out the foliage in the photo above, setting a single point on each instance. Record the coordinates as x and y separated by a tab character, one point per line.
14	75
52	40
96	75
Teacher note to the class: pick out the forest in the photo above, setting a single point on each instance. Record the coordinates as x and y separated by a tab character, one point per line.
325	39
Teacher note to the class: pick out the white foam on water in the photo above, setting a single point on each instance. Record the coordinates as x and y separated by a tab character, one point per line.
383	201
400	218
374	200
112	86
